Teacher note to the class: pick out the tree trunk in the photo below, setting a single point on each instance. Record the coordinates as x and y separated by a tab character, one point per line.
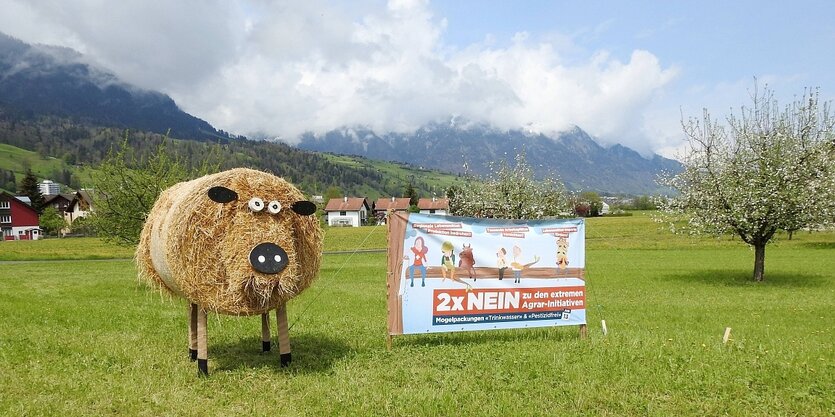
759	261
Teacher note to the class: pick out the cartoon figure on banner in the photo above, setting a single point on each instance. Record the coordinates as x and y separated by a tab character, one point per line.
501	262
562	252
517	266
448	263
419	251
467	260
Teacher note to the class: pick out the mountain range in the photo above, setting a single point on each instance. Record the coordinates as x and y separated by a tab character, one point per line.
39	80
577	159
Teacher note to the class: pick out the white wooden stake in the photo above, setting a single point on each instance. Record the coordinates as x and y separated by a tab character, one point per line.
605	330
727	335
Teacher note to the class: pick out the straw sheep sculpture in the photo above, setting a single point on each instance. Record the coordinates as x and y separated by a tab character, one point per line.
239	242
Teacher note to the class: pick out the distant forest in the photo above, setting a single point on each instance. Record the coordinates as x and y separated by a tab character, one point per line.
79	144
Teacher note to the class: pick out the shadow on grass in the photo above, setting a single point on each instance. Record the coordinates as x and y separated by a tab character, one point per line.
556	334
311	354
819	245
739	278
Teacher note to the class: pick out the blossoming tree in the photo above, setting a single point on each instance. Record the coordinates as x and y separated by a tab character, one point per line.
510	192
769	168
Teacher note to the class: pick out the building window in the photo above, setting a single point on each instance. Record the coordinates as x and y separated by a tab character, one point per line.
5	219
343	213
431	211
5	205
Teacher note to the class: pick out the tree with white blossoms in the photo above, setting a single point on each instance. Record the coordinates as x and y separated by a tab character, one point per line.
770	168
509	192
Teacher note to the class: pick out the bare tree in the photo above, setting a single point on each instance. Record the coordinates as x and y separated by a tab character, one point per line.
770	168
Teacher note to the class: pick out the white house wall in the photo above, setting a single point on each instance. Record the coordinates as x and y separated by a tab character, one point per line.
351	218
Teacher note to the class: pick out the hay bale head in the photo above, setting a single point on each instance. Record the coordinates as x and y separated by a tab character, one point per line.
236	242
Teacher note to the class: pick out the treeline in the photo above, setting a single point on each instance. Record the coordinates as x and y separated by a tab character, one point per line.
78	145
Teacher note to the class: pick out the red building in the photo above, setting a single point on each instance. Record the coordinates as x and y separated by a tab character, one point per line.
18	220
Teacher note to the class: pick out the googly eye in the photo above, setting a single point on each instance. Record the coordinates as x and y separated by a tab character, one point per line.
274	207
256	204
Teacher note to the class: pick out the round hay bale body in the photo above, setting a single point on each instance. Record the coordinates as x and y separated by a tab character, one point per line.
207	251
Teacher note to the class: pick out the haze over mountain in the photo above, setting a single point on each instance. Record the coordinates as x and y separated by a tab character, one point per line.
46	80
49	80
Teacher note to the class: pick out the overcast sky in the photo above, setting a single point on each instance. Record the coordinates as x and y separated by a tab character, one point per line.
625	72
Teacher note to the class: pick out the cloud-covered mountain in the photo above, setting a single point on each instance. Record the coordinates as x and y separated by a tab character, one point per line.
39	79
48	80
572	155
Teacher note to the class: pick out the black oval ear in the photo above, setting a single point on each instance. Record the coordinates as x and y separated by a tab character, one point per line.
305	208
222	194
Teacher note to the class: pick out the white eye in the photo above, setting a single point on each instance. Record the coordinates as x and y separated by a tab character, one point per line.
274	207
256	204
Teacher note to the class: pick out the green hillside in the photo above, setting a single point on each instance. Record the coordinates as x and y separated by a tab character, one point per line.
67	153
429	181
16	161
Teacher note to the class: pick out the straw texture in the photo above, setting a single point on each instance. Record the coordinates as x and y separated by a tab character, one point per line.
199	249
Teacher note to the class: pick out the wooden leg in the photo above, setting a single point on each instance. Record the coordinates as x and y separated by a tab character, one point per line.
283	335
265	332
192	332
584	331
202	344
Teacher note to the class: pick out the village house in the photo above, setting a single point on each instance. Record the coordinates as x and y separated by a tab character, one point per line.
80	206
347	211
433	205
59	202
18	220
383	205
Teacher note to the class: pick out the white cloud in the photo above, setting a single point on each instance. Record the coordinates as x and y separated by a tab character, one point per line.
261	66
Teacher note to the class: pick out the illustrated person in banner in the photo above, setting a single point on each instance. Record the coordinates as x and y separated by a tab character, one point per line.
448	263
517	265
501	262
419	250
562	252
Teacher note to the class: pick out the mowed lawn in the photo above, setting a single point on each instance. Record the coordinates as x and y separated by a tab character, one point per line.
84	337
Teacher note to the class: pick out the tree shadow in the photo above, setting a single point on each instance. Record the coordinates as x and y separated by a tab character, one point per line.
819	245
744	278
312	353
463	339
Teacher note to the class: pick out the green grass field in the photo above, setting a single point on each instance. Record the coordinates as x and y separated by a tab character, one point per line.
83	337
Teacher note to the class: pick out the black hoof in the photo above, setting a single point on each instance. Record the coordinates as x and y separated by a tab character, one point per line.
202	367
286	358
192	354
265	346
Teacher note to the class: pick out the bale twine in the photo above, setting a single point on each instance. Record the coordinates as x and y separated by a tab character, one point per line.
199	249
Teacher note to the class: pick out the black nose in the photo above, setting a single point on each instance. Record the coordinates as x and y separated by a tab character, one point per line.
268	258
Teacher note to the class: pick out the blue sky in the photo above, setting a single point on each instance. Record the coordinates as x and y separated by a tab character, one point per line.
625	72
712	42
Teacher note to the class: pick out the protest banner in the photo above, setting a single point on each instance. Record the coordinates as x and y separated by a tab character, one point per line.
449	273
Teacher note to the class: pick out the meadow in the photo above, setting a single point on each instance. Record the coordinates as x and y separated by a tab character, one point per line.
81	336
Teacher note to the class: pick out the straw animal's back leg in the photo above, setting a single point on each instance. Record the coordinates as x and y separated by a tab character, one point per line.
202	344
283	335
265	332
192	332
